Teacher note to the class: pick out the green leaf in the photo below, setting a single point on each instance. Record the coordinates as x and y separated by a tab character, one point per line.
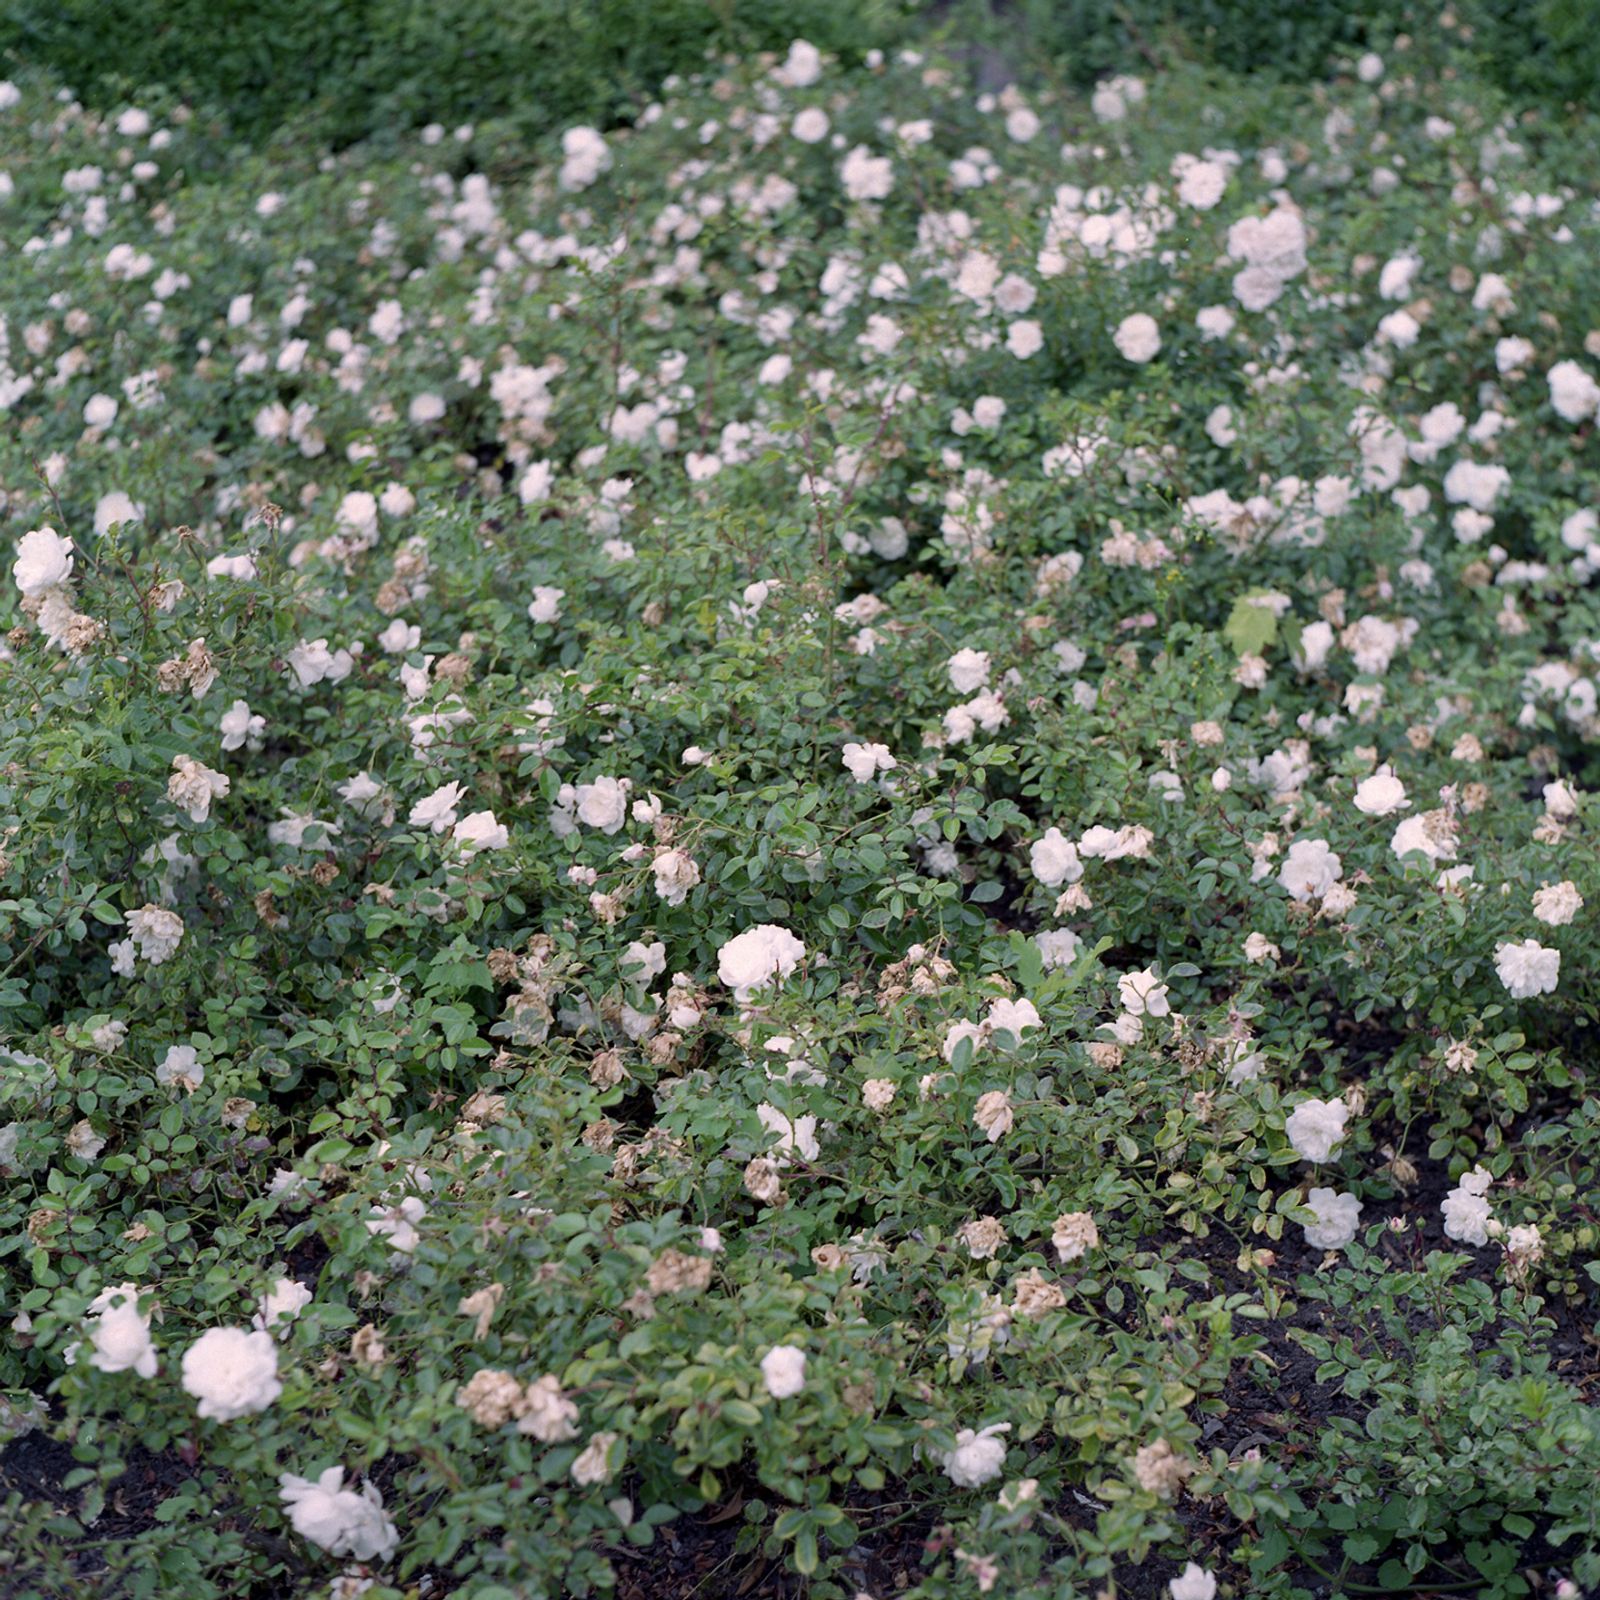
1251	629
806	1557
1030	964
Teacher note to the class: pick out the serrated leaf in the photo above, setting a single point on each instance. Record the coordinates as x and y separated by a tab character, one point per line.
1251	629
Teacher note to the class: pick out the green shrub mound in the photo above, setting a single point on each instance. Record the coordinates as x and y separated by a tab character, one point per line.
842	843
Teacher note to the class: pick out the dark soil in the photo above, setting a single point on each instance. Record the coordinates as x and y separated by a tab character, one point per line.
1276	1405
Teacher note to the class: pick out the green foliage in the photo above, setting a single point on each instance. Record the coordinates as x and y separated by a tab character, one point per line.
351	69
1545	51
498	594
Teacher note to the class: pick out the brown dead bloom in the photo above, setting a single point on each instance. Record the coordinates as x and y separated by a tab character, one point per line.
546	1414
640	1305
1160	1470
993	1114
82	634
1036	1295
237	1111
762	1182
366	1346
391	597
982	1237
600	1135
482	1304
606	1070
663	1048
1074	1234
859	1397
484	1107
491	1398
674	1272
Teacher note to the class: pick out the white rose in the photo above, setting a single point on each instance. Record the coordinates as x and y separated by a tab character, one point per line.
1143	994
676	874
977	1458
232	1373
1054	859
757	957
1466	1208
1315	1127
1310	869
595	1465
120	1336
438	811
1380	794
865	761
1556	904
546	603
1527	969
603	804
1338	1216
783	1371
480	831
1138	339
1573	393
339	1520
44	561
969	670
280	1305
1193	1583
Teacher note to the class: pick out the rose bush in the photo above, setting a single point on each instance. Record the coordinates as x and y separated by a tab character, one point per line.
835	811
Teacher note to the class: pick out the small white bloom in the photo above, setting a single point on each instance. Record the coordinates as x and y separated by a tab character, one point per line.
1143	994
232	1373
1054	859
438	811
1338	1216
1138	338
1527	969
193	786
969	670
783	1371
1310	869
1315	1127
44	562
240	725
480	831
595	1464
119	1334
1556	904
978	1458
280	1305
1381	794
546	603
865	761
1193	1583
341	1521
758	957
1466	1208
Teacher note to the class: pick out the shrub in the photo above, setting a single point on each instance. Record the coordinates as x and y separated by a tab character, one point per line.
862	813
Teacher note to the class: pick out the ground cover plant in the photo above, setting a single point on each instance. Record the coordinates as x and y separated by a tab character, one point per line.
839	844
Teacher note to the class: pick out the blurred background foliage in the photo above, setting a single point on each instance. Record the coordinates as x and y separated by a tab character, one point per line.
345	70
